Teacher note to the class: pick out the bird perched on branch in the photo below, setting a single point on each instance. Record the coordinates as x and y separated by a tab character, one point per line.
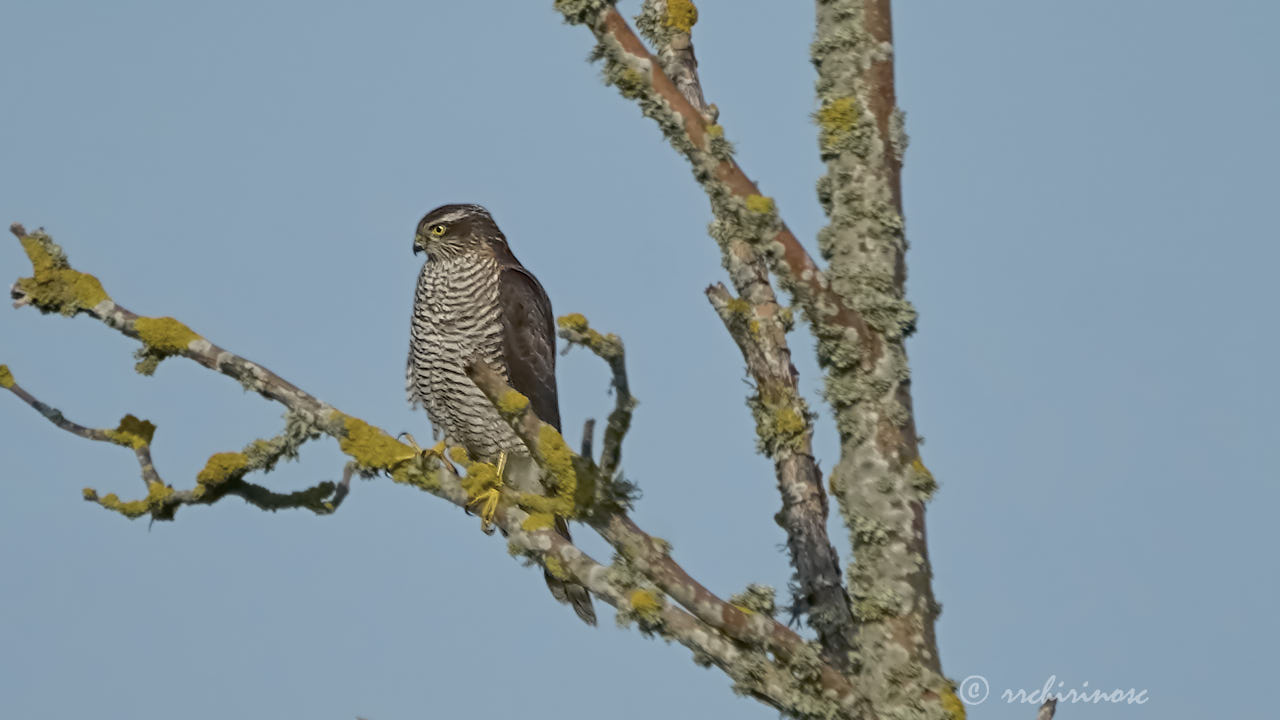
475	300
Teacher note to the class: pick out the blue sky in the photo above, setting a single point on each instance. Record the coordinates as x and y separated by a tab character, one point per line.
1089	194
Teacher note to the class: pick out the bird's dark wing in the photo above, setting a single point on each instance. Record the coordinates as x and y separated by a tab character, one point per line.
529	348
529	340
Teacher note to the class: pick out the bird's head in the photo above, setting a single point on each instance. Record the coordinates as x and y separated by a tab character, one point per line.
452	230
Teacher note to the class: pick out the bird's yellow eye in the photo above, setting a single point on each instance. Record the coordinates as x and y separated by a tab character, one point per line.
437	230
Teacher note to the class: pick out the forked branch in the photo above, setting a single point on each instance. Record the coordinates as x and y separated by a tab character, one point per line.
751	237
765	659
608	347
222	477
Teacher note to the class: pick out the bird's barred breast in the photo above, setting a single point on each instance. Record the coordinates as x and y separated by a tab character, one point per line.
456	317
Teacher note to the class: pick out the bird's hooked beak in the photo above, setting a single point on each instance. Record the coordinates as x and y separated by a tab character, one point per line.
419	244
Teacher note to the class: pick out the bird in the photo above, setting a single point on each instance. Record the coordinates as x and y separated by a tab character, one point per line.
474	300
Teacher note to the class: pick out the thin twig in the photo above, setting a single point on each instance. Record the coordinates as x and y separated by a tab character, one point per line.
575	329
140	446
668	24
785	429
162	500
588	438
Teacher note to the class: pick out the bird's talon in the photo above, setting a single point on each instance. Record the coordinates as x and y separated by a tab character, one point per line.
488	499
436	451
488	502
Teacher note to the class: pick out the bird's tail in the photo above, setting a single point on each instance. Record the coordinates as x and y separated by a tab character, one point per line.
570	593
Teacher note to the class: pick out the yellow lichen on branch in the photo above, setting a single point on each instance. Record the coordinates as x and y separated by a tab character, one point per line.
782	423
161	337
738	306
559	463
6	377
538	521
923	480
371	447
54	286
132	432
157	495
837	119
165	334
952	704
760	204
555	567
631	82
512	402
222	467
573	321
575	328
682	15
645	605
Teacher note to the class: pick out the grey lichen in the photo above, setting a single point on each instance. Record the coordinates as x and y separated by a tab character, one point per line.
260	455
579	12
783	423
756	599
633	77
652	23
600	497
803	693
298	429
643	601
922	480
223	474
898	137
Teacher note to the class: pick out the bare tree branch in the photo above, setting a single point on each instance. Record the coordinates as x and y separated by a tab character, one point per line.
222	477
639	75
793	689
668	25
786	436
650	555
765	659
587	449
609	348
880	482
132	433
749	233
856	310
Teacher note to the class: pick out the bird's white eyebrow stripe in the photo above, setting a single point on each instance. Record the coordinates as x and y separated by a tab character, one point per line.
453	216
457	215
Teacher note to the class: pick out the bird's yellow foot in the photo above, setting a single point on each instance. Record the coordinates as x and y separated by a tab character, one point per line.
488	499
436	451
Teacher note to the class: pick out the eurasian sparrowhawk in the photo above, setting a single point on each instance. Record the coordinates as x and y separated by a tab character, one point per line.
475	300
